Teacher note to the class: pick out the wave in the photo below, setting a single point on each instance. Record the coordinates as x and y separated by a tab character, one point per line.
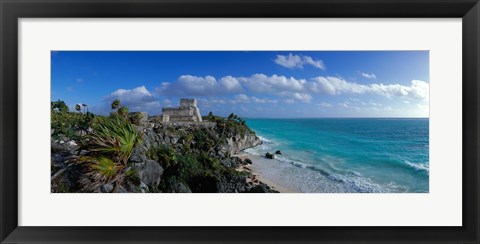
418	166
351	179
265	140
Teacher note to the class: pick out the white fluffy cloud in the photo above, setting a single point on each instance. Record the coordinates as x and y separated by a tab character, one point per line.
242	98
335	86
200	86
137	99
289	88
298	61
369	76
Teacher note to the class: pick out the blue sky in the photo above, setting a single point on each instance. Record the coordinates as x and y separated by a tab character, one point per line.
273	84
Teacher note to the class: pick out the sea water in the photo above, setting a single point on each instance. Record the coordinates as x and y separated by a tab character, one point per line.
344	155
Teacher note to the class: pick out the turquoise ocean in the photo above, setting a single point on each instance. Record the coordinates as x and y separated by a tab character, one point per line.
345	155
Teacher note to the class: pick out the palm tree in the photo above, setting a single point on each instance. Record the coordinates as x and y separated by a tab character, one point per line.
85	108
115	104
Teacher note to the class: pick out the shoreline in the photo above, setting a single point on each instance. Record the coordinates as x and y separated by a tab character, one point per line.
257	176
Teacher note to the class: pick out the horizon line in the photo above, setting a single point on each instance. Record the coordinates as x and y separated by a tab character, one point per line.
336	117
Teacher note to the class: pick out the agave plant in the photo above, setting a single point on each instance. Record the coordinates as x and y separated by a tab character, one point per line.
111	145
114	136
100	170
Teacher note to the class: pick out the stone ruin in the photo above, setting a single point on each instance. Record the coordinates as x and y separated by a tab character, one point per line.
186	112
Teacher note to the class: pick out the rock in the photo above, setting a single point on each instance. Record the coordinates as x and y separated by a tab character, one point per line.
269	155
261	188
120	189
138	118
248	161
138	155
106	188
150	172
72	143
143	187
231	184
181	188
226	162
278	152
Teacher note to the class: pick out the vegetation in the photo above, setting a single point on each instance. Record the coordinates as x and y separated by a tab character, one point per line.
69	124
198	170
194	164
110	145
107	143
59	106
123	111
115	104
136	118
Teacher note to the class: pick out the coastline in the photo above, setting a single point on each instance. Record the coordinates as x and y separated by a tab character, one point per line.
257	177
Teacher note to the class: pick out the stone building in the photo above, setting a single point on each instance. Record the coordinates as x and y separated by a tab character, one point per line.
188	111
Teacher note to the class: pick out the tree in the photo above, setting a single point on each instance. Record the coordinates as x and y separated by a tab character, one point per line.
123	111
59	106
85	108
115	104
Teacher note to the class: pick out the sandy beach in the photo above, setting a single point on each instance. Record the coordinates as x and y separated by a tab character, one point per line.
257	177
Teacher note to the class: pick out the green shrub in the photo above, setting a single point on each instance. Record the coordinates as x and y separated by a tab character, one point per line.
110	146
164	154
114	136
59	106
70	124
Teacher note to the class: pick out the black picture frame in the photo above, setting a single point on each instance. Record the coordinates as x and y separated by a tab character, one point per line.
12	10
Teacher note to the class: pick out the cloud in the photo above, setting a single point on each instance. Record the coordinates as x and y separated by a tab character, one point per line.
230	83
298	61
200	86
79	80
369	76
336	86
315	63
137	99
242	98
289	88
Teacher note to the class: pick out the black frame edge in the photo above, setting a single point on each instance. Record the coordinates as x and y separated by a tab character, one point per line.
8	123
470	113
10	232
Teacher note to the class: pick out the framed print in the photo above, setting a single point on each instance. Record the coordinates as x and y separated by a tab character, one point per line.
256	122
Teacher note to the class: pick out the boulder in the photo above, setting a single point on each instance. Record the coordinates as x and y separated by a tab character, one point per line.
150	172
138	155
120	189
226	162
269	155
261	188
278	152
247	161
106	188
181	188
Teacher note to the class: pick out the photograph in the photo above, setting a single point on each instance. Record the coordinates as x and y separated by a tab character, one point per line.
276	121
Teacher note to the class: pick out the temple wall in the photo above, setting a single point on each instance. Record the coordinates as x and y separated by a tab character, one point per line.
188	111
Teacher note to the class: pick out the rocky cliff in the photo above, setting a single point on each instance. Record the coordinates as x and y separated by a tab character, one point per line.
171	157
